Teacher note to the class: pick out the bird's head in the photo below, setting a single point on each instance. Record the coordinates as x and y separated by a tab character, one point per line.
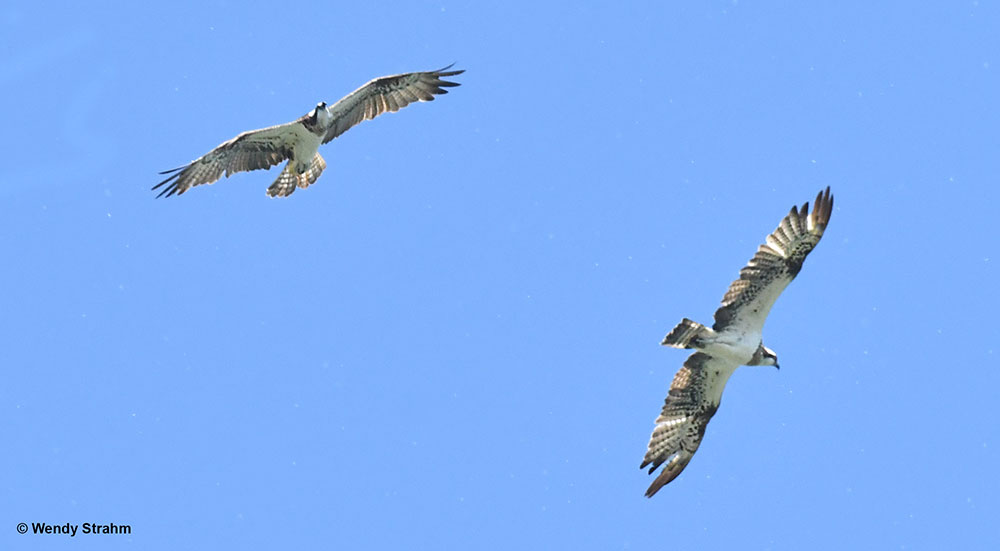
321	115
764	356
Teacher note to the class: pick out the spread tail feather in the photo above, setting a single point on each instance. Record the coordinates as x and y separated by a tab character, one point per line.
685	334
286	182
310	176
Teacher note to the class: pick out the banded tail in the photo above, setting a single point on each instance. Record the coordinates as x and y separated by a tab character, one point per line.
288	180
685	334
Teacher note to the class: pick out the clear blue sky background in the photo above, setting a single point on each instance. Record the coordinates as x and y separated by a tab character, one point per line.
451	341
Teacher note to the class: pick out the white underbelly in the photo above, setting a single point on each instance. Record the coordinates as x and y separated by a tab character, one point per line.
305	149
736	348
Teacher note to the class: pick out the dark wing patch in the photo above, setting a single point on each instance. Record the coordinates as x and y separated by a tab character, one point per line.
390	93
692	401
775	265
251	150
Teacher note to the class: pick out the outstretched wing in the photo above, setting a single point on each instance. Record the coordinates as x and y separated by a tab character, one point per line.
250	150
694	398
383	94
777	262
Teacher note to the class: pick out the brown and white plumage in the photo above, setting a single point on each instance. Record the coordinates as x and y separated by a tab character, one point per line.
387	94
692	400
734	340
298	141
776	263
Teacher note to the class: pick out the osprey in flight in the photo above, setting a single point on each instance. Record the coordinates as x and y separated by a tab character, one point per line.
299	140
734	340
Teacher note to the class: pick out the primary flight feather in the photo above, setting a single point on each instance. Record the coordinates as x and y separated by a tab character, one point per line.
298	141
734	340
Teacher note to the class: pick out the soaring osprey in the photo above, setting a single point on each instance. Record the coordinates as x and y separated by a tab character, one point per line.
299	140
734	339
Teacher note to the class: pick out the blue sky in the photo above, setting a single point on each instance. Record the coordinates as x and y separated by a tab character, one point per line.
451	340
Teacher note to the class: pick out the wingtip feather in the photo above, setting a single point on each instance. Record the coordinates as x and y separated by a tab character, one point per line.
444	72
823	207
673	469
169	190
172	170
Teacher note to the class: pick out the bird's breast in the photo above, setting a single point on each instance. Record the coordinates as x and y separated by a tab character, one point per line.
305	147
